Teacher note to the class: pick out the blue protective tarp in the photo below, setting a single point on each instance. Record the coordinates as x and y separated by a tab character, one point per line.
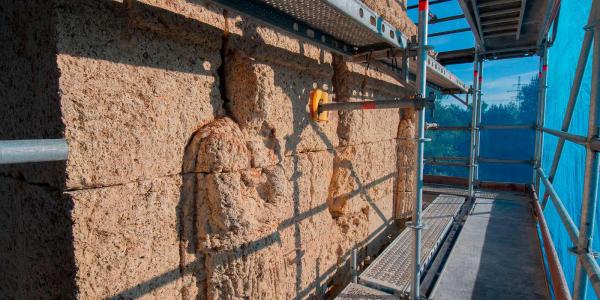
563	57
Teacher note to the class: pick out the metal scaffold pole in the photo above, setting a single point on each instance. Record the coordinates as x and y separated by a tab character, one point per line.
478	121
592	163
27	151
474	106
541	109
421	88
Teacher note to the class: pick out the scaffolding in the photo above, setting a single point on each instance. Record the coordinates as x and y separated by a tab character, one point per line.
351	29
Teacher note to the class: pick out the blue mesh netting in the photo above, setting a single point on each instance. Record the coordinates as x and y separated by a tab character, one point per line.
563	57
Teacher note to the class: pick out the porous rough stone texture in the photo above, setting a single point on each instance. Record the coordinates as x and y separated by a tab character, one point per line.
356	82
135	95
36	254
126	240
260	231
269	79
407	166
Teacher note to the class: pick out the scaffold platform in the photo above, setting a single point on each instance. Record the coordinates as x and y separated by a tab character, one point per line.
391	270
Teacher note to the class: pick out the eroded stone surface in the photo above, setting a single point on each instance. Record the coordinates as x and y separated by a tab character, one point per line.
355	82
134	96
126	240
407	155
36	254
270	101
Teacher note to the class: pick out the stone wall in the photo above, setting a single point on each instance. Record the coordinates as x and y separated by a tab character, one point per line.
194	168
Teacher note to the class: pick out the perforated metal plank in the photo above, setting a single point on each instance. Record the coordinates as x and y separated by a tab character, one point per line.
347	27
439	75
343	26
347	20
356	291
391	271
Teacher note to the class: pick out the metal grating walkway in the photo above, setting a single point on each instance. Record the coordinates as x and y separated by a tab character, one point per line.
356	291
391	270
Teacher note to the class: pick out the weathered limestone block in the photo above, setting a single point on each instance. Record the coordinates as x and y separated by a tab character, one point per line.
258	271
261	230
355	82
36	247
363	177
132	93
252	214
407	167
269	77
220	147
255	226
126	240
194	10
239	207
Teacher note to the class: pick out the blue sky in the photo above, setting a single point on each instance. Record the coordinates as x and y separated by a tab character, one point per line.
500	76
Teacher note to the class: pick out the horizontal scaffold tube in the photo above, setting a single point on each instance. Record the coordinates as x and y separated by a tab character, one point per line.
503	161
482	127
446	163
24	151
443	159
438	158
378	104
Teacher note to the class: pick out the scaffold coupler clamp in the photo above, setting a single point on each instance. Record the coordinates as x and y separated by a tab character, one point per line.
578	251
412	225
431	126
593	26
426	103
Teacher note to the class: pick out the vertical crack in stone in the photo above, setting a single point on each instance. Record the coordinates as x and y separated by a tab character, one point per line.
221	70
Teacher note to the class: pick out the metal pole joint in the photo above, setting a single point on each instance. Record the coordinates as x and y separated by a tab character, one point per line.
414	225
427	102
593	26
583	251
